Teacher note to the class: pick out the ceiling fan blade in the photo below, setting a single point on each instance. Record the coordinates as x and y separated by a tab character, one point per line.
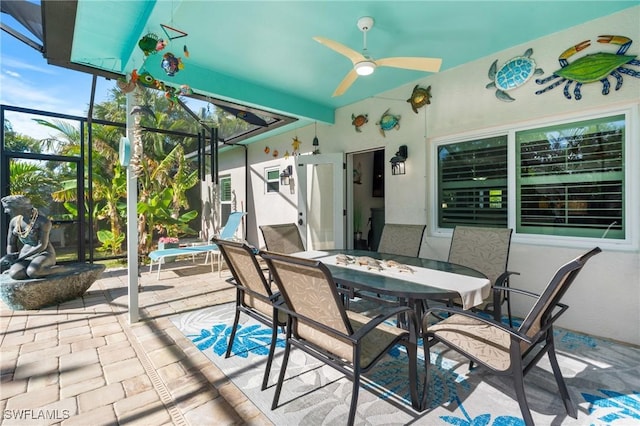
409	63
346	83
354	56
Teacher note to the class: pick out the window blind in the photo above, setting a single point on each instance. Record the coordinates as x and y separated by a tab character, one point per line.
472	183
571	179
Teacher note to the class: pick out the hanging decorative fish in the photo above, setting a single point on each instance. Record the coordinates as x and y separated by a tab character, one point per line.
151	44
170	64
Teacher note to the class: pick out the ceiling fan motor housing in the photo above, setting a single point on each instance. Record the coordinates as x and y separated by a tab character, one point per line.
365	67
365	23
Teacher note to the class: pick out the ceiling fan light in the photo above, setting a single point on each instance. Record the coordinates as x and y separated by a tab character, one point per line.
365	67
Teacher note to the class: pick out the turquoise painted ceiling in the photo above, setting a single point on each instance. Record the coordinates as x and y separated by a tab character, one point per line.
261	53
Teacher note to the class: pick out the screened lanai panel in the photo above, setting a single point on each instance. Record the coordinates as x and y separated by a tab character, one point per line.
52	188
26	132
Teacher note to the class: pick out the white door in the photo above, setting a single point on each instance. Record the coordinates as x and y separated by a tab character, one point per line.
321	213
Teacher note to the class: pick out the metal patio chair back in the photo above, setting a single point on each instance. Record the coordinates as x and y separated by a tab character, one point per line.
320	325
504	350
254	296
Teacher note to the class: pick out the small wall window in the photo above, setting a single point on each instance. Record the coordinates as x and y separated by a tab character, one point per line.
472	183
272	179
225	197
570	179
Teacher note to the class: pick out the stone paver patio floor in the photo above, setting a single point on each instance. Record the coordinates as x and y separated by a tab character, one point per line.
83	363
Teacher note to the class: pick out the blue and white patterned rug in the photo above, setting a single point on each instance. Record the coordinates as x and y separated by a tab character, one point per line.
603	379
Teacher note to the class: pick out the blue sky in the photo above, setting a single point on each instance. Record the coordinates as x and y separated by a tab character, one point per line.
26	80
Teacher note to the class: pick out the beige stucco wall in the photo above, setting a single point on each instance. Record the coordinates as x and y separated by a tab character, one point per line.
605	300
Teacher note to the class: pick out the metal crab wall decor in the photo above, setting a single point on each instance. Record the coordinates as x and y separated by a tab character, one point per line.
513	74
419	97
593	67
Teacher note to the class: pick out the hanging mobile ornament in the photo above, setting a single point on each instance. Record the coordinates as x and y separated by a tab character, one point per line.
170	64
151	44
167	28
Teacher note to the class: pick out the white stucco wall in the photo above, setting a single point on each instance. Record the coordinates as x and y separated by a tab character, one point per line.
605	299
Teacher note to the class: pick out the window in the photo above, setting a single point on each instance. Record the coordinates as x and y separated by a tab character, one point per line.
570	179
225	197
272	179
574	179
472	183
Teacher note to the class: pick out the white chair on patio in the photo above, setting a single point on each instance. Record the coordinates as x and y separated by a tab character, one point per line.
228	232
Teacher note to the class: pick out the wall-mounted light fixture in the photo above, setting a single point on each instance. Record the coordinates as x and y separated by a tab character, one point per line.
285	176
397	162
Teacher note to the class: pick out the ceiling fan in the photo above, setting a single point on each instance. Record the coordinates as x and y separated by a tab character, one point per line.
363	64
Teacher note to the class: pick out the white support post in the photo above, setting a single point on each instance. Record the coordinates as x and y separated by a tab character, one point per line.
132	223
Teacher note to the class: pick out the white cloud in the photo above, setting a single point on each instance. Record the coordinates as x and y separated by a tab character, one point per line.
11	62
13	74
19	92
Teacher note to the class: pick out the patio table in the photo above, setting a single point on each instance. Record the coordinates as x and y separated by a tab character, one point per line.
430	279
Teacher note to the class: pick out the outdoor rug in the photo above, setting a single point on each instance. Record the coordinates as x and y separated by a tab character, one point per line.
603	379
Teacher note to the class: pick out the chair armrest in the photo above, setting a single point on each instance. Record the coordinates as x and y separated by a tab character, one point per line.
503	277
516	290
275	298
380	318
550	321
489	321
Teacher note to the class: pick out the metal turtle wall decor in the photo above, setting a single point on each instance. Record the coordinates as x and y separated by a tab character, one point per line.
513	74
388	121
359	121
592	68
419	97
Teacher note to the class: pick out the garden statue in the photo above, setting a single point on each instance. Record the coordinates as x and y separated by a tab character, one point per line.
30	230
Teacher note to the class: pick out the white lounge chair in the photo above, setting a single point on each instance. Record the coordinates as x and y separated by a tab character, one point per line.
228	232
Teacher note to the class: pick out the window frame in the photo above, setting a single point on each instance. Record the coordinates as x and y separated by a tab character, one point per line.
221	179
275	181
631	176
480	189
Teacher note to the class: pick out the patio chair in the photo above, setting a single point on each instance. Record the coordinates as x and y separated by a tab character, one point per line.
254	296
486	250
397	239
282	238
228	231
320	325
401	239
504	350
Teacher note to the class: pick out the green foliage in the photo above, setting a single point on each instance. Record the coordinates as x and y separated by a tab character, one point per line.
167	176
159	215
32	180
110	242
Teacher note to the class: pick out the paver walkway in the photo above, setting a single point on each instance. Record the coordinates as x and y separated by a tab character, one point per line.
82	363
